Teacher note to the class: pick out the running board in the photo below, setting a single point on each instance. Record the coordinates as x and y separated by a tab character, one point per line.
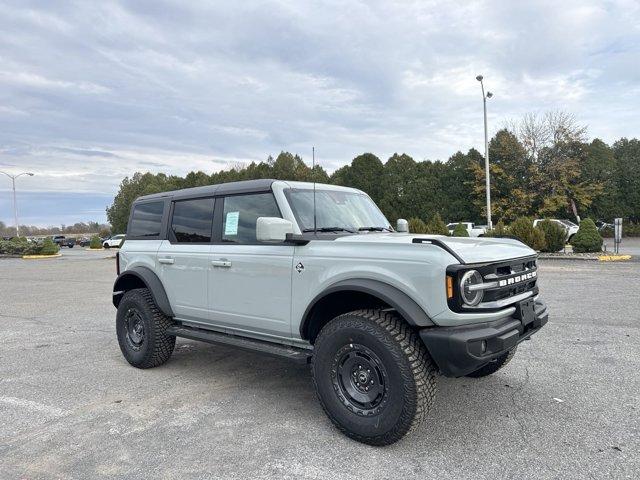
298	355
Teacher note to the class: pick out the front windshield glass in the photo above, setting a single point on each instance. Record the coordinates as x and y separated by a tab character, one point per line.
568	223
335	209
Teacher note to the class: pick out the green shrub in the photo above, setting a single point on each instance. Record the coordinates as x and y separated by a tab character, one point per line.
460	231
17	246
48	247
554	236
498	231
95	243
436	226
588	238
523	230
416	225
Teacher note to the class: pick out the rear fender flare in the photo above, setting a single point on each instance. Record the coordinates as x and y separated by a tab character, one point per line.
142	277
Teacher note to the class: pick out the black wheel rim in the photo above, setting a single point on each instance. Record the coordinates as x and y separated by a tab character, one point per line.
360	379
135	328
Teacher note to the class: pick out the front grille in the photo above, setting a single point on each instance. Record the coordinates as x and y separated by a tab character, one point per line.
512	280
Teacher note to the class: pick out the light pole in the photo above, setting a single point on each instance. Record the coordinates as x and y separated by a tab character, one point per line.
486	151
15	204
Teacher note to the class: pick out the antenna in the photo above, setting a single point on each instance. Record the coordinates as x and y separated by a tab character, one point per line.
313	174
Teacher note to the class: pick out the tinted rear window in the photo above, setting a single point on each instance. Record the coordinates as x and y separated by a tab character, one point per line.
192	220
146	220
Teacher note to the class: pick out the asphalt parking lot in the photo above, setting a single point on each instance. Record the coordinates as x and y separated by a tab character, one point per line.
568	406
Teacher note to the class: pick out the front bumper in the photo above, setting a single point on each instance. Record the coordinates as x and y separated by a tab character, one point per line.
458	351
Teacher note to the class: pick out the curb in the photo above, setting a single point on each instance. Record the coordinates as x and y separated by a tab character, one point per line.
38	257
94	249
614	258
567	257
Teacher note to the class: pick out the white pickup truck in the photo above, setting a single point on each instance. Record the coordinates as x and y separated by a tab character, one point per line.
472	229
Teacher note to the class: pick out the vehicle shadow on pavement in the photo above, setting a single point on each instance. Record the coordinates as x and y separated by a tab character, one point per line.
271	387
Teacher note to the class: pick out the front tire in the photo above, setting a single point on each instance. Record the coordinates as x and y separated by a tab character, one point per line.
373	376
142	330
494	365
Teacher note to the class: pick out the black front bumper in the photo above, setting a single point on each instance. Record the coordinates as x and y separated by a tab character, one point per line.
459	351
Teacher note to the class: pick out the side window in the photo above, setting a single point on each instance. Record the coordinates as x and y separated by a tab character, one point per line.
192	221
241	213
146	219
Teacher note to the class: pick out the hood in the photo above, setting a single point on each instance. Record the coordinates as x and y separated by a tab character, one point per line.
470	250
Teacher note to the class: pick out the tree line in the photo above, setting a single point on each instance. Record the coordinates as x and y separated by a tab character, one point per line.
76	228
541	166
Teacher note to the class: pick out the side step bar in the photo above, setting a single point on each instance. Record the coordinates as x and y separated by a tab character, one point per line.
298	355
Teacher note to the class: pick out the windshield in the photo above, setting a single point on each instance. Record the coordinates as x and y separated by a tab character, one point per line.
568	223
336	210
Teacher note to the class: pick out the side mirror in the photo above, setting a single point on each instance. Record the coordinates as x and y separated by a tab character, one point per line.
272	229
402	226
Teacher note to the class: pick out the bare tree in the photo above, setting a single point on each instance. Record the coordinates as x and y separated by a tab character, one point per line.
537	132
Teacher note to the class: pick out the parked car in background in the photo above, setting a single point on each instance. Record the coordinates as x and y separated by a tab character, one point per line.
114	241
83	241
472	229
568	226
63	241
604	225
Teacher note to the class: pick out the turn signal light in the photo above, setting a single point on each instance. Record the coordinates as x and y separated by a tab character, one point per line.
449	287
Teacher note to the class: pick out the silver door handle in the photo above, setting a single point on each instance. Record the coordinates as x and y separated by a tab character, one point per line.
221	263
167	261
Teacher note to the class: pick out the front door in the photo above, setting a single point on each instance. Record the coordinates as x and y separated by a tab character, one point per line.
250	282
184	259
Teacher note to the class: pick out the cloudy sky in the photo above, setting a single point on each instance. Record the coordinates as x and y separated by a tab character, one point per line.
91	92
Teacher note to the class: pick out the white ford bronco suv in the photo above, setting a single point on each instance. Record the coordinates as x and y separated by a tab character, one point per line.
316	274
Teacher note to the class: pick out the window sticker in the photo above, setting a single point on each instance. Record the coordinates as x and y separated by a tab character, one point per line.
231	225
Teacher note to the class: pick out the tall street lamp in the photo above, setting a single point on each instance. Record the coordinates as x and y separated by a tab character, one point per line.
486	151
15	205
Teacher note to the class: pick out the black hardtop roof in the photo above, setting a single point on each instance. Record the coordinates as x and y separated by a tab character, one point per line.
245	186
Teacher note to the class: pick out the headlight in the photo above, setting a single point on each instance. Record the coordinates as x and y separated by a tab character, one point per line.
471	296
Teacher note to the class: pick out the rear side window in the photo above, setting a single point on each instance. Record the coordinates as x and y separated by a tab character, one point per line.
192	221
146	220
241	213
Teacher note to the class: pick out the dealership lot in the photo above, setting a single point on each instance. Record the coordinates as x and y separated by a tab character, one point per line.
567	406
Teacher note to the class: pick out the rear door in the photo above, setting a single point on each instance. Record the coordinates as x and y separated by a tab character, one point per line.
183	258
250	281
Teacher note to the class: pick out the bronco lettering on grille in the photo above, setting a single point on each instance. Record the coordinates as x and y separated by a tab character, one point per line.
517	279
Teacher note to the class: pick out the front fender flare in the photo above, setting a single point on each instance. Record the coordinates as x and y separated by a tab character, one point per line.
132	278
392	296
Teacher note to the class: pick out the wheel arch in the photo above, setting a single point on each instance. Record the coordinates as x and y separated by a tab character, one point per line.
142	277
354	294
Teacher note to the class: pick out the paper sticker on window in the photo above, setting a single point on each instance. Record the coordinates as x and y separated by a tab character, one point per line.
231	225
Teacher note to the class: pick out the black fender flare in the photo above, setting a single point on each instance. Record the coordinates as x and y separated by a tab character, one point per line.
392	296
146	276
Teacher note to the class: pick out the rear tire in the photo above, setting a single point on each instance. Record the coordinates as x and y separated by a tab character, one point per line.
142	330
495	365
373	376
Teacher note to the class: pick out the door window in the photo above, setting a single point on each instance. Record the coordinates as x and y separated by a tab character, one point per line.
146	220
241	212
192	221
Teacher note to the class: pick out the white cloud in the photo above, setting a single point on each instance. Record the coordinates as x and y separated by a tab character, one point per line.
173	86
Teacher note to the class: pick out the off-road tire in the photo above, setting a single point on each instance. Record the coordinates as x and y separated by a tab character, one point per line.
155	346
495	365
409	384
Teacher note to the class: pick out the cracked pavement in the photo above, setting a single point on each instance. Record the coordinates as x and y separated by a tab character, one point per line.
567	406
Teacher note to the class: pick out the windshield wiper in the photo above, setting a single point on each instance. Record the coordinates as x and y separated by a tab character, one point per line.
328	229
375	229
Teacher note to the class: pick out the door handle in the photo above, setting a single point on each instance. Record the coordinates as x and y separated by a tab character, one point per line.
221	263
166	260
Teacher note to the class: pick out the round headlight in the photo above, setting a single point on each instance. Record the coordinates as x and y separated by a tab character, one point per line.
471	297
